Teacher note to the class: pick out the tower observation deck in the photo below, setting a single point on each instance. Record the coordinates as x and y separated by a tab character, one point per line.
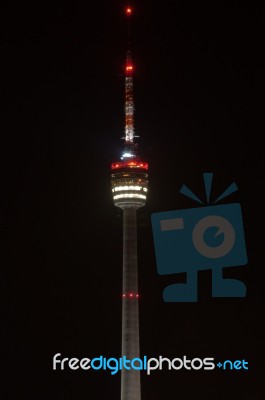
129	184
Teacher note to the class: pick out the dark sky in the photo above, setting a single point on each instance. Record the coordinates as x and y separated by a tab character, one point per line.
198	108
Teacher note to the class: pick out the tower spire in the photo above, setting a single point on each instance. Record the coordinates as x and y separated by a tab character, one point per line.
129	100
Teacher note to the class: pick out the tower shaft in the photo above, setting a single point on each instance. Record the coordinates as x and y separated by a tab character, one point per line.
130	379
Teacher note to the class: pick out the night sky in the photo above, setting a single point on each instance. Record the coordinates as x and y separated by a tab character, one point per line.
198	108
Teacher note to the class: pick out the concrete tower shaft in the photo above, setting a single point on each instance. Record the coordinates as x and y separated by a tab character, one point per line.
130	379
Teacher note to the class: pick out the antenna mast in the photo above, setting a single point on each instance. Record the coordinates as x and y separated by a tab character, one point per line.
129	101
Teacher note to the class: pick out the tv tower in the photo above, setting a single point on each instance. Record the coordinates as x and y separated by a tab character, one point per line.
129	183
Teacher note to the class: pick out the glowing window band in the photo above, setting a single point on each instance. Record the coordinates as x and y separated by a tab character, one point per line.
129	196
120	188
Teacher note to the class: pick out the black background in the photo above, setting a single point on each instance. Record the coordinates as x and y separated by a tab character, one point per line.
198	101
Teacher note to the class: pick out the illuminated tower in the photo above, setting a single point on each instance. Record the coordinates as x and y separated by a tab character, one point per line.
129	182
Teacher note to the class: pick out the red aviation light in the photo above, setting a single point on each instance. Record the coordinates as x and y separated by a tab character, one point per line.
129	164
128	11
130	295
129	68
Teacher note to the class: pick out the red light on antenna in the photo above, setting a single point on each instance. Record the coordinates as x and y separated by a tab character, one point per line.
129	68
128	10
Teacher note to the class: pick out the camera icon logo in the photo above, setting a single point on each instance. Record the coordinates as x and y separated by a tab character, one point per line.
202	238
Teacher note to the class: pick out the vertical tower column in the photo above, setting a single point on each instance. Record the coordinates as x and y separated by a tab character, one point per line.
130	379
